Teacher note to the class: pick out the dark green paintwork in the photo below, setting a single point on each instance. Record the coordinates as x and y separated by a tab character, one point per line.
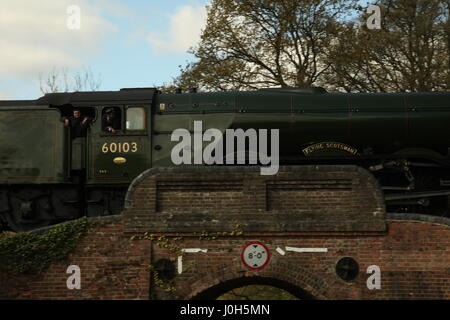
385	123
32	143
33	149
101	167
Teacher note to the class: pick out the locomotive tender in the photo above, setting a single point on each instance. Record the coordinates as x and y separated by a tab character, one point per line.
46	176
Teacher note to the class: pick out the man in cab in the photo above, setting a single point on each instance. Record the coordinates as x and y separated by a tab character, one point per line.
110	122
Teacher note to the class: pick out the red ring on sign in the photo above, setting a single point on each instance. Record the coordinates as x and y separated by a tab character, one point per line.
261	244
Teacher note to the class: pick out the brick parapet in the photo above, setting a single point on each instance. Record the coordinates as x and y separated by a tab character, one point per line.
297	199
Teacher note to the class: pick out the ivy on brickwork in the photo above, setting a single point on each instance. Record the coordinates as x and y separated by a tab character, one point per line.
237	231
26	252
167	243
166	285
170	243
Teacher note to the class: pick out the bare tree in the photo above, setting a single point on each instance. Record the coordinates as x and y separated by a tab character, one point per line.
249	44
60	80
411	52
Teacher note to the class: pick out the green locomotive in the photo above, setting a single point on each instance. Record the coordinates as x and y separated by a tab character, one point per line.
47	176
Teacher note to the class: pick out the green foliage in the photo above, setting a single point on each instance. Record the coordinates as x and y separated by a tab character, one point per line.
162	241
167	285
409	53
26	252
257	292
249	44
170	243
237	231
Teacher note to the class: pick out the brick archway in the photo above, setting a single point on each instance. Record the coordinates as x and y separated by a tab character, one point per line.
295	279
216	291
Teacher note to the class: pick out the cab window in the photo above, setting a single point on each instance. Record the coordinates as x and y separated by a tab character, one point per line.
111	120
135	119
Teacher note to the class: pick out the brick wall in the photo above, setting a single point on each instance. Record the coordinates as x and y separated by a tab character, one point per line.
413	257
411	250
112	267
297	199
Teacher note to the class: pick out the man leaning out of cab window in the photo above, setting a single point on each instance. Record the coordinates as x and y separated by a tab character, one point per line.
77	124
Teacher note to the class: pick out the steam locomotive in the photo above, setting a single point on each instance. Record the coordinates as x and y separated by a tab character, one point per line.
47	176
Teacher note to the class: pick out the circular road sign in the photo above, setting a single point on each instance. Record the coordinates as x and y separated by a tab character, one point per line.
255	255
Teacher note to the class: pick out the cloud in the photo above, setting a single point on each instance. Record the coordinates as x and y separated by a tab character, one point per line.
4	96
184	32
35	37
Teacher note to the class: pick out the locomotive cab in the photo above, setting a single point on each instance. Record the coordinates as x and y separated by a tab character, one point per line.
48	175
118	146
76	146
117	150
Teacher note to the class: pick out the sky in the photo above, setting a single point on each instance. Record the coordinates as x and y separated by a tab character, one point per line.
126	44
135	43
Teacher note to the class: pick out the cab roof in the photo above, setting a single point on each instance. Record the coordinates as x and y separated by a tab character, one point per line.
126	95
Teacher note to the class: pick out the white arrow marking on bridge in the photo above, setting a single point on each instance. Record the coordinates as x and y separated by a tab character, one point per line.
188	250
194	250
306	249
281	251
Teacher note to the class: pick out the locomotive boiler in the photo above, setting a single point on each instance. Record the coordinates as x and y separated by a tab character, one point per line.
47	176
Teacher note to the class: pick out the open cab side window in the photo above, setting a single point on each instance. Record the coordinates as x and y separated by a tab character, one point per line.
111	120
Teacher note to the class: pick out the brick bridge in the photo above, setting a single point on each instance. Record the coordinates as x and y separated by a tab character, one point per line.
322	226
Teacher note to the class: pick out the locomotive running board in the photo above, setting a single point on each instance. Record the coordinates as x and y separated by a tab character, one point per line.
400	196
